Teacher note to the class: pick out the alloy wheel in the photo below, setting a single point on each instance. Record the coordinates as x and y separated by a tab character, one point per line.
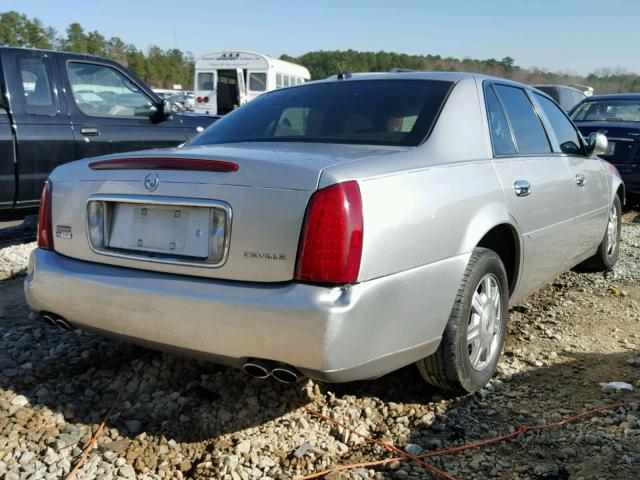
483	331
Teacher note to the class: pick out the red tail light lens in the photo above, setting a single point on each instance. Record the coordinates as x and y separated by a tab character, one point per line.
199	99
45	229
205	99
331	243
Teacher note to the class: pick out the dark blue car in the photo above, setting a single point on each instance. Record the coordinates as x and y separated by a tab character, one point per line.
618	117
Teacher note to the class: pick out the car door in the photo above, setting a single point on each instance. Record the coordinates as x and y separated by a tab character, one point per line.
111	113
44	138
590	188
537	185
7	160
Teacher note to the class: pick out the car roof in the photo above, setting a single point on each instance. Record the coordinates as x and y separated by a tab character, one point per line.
55	52
614	96
550	85
418	75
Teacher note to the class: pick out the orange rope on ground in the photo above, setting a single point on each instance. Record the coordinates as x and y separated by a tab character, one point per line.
480	443
388	446
98	432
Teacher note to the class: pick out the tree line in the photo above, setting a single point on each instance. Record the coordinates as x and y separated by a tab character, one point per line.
321	64
158	68
163	68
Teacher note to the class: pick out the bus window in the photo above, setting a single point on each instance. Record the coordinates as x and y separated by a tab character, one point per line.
205	81
287	80
278	80
257	81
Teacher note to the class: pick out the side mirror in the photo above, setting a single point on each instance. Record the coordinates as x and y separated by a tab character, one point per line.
597	144
162	111
165	108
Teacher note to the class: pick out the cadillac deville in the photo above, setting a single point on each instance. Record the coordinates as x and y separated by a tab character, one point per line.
339	229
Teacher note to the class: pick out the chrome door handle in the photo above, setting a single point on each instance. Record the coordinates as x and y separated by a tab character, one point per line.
522	188
89	131
581	181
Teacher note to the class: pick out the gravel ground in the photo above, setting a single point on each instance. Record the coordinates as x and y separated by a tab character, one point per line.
180	418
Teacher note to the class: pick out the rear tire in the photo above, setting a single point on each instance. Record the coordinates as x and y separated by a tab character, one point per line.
472	340
609	249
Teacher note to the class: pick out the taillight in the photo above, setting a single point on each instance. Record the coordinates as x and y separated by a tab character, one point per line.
45	230
205	99
165	163
331	242
199	99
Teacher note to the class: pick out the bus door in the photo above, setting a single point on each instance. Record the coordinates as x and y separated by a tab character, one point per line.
242	88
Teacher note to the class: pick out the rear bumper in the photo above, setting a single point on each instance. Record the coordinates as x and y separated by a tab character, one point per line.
329	333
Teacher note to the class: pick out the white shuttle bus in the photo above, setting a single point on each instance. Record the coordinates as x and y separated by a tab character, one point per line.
226	80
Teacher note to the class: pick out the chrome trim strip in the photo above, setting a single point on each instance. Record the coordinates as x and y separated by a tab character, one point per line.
162	200
619	139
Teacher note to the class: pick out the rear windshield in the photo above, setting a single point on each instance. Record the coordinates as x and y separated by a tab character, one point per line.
551	91
374	112
626	110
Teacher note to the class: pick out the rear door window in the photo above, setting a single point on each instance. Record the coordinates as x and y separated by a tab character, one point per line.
563	128
500	130
37	91
527	128
205	81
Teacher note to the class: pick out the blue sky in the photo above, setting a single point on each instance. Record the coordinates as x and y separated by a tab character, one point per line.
568	35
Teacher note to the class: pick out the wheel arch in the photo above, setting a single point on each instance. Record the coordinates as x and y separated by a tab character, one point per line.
493	227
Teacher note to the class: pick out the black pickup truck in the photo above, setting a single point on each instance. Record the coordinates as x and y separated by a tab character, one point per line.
57	107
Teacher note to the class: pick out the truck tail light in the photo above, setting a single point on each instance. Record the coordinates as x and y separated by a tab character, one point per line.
199	99
45	228
205	99
331	243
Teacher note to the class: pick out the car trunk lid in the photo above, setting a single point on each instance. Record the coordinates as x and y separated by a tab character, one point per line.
239	223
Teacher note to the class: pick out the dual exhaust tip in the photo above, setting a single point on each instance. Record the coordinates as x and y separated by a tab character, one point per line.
56	321
262	369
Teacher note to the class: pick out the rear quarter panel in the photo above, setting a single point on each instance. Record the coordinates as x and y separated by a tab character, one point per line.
426	216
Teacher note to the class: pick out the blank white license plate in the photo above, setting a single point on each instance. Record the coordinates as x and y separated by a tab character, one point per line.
611	148
164	229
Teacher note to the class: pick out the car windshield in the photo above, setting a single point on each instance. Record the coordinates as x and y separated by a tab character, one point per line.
620	110
374	112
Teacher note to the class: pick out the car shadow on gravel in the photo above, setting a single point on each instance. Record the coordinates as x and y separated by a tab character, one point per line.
20	233
78	375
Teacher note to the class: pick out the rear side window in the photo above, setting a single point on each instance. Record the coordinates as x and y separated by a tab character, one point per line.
500	131
528	130
258	82
563	128
205	81
36	86
369	112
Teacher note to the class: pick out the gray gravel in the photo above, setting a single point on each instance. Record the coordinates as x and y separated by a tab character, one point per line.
181	418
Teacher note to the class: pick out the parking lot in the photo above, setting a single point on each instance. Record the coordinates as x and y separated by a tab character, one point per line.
181	418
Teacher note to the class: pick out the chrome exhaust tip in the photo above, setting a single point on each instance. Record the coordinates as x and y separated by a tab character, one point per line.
56	321
256	369
285	374
45	317
62	324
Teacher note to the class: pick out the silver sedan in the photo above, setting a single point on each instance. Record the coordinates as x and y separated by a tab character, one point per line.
339	229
